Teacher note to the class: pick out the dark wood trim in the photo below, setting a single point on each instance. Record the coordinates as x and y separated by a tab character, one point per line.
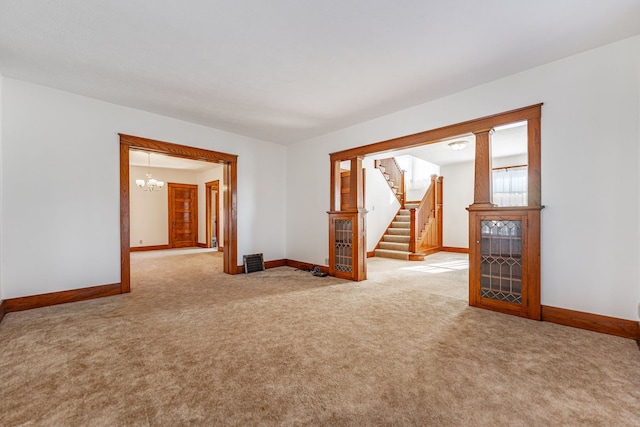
306	266
435	135
201	245
125	225
220	248
177	150
275	263
230	217
148	248
3	310
592	322
454	249
372	253
63	297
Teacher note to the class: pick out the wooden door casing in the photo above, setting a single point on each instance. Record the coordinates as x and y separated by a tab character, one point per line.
183	215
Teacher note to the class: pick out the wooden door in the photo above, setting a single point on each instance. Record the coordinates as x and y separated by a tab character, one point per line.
183	215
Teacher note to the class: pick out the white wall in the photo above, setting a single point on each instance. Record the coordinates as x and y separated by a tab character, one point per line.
382	205
457	195
591	122
61	218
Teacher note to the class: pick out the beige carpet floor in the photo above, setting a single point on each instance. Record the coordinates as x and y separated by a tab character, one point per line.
191	346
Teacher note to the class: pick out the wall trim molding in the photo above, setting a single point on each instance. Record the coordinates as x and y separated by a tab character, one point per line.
371	254
149	248
62	297
454	249
3	310
201	245
592	322
306	266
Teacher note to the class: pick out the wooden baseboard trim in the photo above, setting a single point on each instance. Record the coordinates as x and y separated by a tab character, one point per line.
306	266
201	245
371	254
63	297
592	322
275	263
454	249
149	248
267	265
3	310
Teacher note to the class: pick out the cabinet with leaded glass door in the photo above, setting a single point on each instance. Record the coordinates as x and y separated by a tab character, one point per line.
504	258
347	246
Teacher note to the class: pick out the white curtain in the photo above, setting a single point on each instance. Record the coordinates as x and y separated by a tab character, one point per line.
510	186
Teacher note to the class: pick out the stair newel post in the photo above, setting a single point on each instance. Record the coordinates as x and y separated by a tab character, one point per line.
439	212
402	193
413	233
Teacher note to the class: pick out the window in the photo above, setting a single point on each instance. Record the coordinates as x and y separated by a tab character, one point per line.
510	186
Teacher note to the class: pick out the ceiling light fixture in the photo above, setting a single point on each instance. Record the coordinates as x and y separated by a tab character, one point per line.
458	145
150	184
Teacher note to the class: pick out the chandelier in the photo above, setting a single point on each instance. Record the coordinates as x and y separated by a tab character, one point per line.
150	184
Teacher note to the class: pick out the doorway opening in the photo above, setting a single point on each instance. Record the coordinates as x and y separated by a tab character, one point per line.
513	287
212	203
229	193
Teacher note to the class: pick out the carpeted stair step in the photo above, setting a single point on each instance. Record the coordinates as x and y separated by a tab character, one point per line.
396	238
403	218
399	231
386	253
404	212
394	246
401	224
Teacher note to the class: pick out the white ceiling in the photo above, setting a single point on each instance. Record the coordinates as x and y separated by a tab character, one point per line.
286	70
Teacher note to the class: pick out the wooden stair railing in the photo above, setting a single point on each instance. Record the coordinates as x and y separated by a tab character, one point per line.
394	176
426	220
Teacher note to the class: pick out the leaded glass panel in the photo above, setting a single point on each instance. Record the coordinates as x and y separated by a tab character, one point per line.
501	260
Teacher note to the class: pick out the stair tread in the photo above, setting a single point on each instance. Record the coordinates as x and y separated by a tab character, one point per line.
395	246
396	238
388	253
399	231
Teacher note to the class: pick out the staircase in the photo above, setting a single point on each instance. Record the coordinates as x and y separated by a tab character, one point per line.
391	171
395	242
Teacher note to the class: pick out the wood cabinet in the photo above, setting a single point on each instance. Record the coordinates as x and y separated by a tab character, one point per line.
504	260
347	245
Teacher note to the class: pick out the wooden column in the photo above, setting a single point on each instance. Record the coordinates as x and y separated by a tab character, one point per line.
356	191
482	193
335	186
533	160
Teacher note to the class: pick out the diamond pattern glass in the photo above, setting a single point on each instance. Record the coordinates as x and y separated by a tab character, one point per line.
501	260
344	245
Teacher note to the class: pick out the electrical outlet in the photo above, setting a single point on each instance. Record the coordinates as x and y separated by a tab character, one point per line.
326	262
